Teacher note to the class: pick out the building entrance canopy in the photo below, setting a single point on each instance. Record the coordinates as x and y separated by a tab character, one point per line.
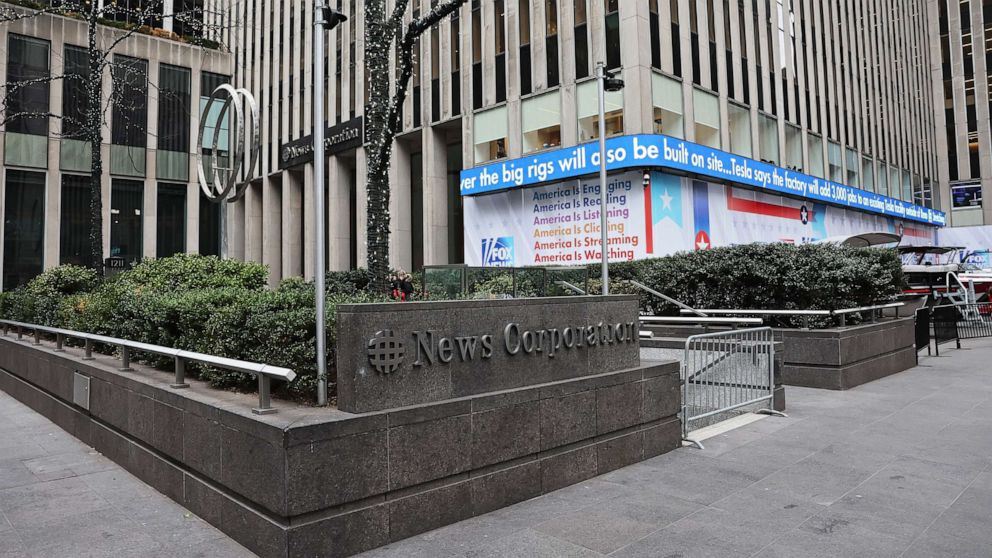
658	151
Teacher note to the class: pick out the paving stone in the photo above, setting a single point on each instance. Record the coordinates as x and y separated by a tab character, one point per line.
608	526
815	481
99	533
32	504
532	544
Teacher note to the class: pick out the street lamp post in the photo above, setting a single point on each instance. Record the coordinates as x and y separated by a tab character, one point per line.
607	82
325	18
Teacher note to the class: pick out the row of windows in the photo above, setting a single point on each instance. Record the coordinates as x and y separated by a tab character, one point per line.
24	211
28	105
541	121
972	47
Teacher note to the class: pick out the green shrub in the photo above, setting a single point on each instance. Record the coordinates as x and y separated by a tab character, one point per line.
197	303
191	271
39	300
769	276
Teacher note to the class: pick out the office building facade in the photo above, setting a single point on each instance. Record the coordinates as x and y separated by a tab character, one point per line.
962	31
152	205
838	90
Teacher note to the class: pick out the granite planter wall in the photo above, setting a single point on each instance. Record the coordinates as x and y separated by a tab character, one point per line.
836	358
842	358
323	482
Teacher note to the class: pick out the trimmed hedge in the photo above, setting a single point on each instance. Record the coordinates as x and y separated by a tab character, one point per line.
768	276
198	303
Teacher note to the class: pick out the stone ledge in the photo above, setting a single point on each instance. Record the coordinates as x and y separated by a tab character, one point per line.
320	482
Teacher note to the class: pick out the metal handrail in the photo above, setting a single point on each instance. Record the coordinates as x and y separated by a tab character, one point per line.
722	312
703	321
683	306
264	372
570	287
805	314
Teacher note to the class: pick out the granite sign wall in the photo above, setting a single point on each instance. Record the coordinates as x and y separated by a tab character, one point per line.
397	355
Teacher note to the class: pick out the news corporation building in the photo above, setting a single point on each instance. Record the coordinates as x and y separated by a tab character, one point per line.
740	121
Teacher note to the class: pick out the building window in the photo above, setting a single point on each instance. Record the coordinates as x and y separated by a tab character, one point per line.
130	101
907	186
740	129
834	160
587	102
613	34
814	145
75	100
706	109
170	237
125	219
23	227
551	15
883	179
523	12
581	40
490	135
209	226
173	122
477	54
853	168
768	138
74	230
542	122
793	147
966	195
500	38
667	96
209	82
27	88
654	22
893	182
456	64
676	38
868	175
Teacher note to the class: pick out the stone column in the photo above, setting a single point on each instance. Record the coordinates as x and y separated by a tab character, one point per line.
435	192
400	226
338	215
271	224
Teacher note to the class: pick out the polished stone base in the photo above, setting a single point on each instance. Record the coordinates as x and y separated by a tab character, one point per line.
842	358
321	482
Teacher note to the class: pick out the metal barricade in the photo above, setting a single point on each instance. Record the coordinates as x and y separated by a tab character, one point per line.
726	371
955	322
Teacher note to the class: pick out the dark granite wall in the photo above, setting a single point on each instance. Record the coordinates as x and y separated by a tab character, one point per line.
321	482
569	337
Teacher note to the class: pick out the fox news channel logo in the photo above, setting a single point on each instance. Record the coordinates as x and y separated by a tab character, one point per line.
497	252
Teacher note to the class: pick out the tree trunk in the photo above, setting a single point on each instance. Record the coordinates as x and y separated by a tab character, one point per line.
94	135
377	51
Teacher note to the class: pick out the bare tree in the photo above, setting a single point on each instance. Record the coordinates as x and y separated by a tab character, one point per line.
108	25
383	36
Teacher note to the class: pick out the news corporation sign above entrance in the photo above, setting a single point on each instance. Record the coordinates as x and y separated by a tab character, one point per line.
344	136
658	151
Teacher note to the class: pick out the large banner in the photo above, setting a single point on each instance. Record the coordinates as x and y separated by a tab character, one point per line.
559	224
658	151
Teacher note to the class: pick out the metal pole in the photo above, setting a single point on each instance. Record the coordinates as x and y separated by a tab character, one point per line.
601	79
318	198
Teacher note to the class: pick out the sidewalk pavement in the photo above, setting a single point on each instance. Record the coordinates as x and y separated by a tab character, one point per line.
898	467
60	498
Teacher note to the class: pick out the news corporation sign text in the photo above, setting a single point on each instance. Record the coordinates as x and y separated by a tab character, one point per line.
655	150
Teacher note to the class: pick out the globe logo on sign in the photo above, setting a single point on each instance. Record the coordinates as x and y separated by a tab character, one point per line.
497	252
385	352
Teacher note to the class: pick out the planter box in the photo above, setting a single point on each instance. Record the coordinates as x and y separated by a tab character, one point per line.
323	482
842	358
